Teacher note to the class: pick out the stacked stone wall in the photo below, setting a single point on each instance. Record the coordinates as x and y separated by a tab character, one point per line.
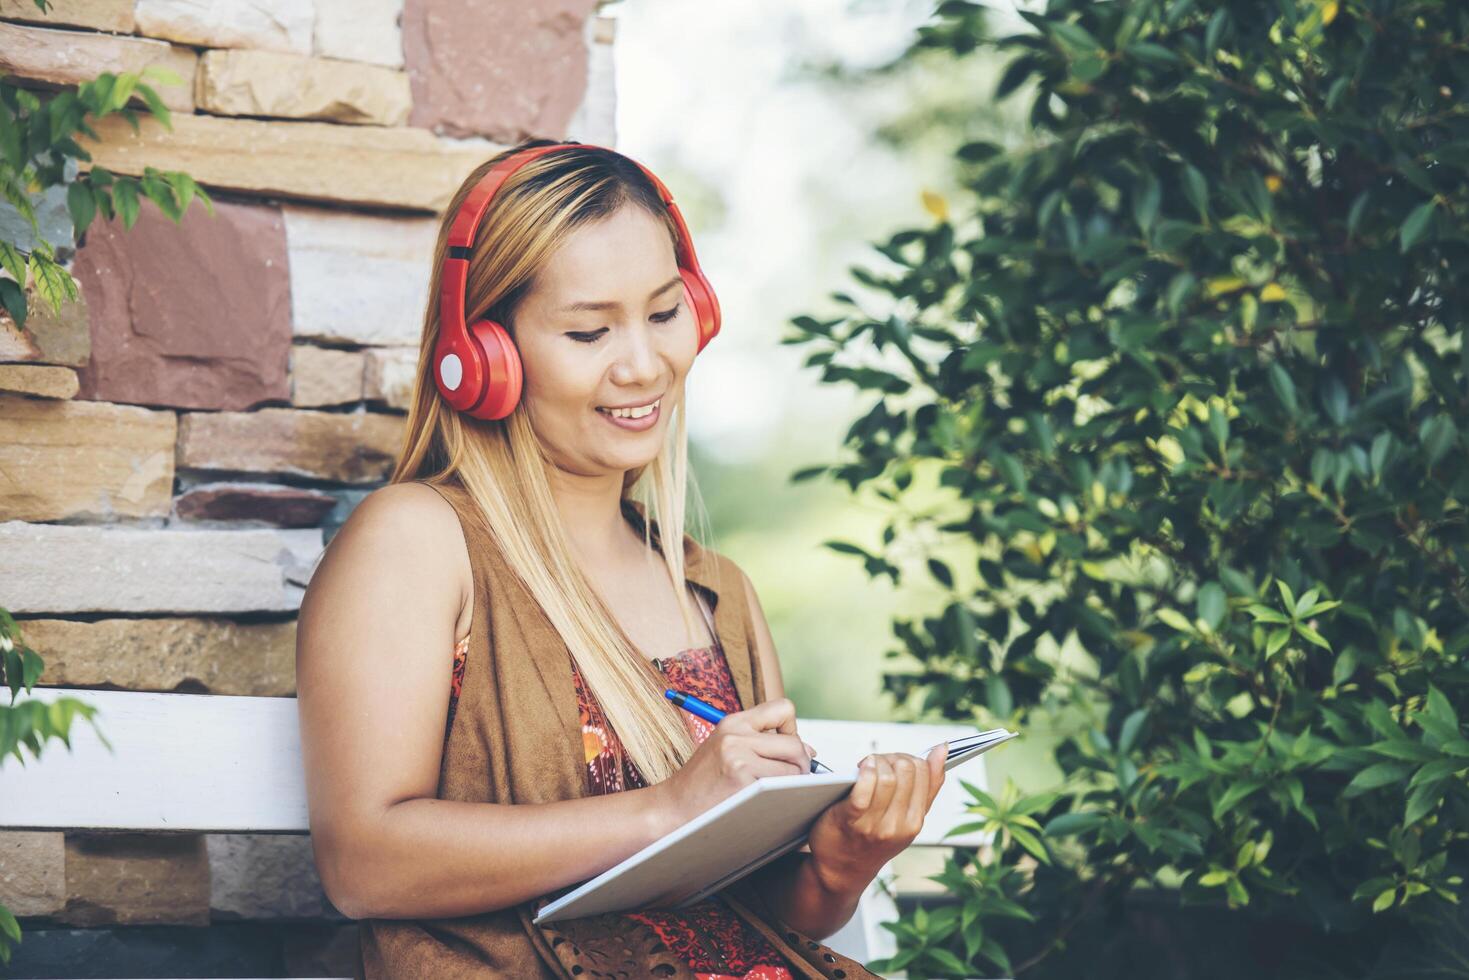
178	445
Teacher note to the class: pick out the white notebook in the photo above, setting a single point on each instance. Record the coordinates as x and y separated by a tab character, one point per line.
748	829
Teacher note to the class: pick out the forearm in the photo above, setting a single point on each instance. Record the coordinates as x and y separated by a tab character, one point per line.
430	858
809	902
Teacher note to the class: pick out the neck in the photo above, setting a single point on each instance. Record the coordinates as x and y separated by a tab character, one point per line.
591	512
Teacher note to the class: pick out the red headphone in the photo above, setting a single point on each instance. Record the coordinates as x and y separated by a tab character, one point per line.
476	366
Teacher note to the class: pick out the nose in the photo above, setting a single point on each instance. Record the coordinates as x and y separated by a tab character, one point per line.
638	358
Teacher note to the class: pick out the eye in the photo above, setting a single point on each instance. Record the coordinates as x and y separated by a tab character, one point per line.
592	337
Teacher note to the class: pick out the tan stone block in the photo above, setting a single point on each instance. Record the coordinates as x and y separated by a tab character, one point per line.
197	656
380	166
136	879
84	460
359	447
390	376
293	86
40	380
272	25
73	57
33	871
99	15
62	337
325	376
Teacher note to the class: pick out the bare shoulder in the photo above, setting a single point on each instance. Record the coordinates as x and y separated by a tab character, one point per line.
403	535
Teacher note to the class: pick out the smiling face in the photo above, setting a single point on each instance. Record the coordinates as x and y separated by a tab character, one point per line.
606	325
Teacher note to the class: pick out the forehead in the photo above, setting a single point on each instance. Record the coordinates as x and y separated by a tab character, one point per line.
619	258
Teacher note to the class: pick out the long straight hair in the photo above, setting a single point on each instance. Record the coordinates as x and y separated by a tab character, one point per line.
502	464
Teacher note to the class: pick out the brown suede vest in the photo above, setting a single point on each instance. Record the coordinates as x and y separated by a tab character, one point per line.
516	738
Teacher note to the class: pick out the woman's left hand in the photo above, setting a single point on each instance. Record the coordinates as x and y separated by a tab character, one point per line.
854	838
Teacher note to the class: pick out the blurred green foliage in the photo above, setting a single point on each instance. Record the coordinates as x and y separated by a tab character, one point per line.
1192	375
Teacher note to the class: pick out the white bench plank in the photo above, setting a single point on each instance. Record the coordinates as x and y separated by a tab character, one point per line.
223	763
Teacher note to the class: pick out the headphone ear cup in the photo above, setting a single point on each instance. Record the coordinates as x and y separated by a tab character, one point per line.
502	370
704	303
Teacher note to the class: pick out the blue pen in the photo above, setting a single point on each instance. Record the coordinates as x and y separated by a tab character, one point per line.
710	713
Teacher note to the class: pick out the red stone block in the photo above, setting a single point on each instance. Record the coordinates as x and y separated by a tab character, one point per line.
503	69
189	315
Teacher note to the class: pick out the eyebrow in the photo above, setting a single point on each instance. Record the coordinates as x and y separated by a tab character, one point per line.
611	305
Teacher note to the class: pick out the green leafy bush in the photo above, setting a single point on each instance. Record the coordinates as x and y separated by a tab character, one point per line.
1176	417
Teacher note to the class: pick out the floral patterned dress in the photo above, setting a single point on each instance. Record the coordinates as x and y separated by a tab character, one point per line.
708	936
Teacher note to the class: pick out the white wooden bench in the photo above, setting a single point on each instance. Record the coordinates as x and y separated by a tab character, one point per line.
225	764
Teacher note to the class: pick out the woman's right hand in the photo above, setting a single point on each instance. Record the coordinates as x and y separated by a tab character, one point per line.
744	746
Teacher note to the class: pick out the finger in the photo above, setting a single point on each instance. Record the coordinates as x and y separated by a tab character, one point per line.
903	767
936	774
921	797
887	781
860	799
785	748
778	714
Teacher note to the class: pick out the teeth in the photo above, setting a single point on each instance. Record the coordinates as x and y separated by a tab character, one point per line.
632	413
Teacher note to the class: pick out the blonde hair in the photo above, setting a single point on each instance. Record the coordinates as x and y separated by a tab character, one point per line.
502	465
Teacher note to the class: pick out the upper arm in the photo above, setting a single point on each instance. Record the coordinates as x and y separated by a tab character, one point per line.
374	661
764	643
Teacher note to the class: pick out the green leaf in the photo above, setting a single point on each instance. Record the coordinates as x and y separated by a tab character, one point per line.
1286	593
1176	619
82	205
1130	729
125	199
1232	796
1212	604
1377	775
1416	225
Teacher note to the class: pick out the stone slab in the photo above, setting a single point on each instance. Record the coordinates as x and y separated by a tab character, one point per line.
136	879
266	876
357	278
270	25
356	447
72	57
497	68
390	376
38	380
322	376
293	86
360	30
53	568
192	315
74	460
33	871
193	656
99	15
392	167
254	504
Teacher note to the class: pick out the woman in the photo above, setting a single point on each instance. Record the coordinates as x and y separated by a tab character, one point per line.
483	648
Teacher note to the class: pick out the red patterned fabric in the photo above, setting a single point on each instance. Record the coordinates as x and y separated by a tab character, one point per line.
715	942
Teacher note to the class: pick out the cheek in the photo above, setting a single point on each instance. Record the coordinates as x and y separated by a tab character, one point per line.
555	381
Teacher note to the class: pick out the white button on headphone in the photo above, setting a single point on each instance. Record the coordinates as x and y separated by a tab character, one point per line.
451	371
